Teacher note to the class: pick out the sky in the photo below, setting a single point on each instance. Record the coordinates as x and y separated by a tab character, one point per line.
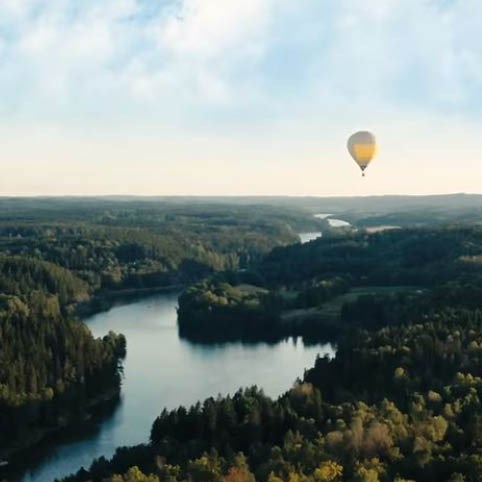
239	97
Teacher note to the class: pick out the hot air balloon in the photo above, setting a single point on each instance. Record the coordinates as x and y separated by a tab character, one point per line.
362	146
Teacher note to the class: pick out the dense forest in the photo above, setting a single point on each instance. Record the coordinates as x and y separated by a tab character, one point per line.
132	245
334	284
51	367
58	257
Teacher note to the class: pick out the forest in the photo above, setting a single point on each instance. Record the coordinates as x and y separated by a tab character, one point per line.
114	245
51	367
335	284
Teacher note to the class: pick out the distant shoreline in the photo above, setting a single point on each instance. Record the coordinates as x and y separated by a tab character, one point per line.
104	300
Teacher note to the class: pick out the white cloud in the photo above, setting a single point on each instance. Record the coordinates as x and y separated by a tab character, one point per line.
268	81
408	50
66	54
18	8
210	28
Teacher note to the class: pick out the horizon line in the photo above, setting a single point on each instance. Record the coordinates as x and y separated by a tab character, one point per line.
228	196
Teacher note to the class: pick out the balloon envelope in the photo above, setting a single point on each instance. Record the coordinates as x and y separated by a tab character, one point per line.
362	146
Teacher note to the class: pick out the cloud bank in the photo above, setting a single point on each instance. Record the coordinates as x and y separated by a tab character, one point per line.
216	94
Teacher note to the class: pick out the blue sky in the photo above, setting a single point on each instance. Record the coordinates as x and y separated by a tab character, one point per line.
231	97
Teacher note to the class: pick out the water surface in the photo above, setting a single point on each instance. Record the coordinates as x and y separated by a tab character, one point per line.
307	237
162	370
338	223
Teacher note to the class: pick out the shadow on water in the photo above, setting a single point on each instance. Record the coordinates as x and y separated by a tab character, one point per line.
310	335
81	431
226	342
213	340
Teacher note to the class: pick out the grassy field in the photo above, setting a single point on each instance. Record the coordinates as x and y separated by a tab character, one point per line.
331	309
251	289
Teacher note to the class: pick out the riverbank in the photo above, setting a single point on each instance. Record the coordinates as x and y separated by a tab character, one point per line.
105	300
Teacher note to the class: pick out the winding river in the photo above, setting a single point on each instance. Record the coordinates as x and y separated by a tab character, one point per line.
162	370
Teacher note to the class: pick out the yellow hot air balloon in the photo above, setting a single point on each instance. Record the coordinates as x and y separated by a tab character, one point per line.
363	147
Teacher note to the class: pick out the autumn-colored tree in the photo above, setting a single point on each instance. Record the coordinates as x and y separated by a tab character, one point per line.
328	471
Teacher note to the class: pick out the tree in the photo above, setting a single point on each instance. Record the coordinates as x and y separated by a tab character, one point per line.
328	471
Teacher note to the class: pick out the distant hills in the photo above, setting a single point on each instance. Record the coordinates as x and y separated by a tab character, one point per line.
362	211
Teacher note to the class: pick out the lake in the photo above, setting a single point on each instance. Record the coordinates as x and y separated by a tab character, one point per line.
163	370
333	222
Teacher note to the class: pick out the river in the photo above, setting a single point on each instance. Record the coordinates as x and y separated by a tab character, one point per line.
307	237
162	370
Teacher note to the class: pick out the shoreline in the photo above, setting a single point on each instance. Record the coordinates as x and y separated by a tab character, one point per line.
9	457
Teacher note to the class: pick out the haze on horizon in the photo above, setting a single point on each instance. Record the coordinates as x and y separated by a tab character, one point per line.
223	97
